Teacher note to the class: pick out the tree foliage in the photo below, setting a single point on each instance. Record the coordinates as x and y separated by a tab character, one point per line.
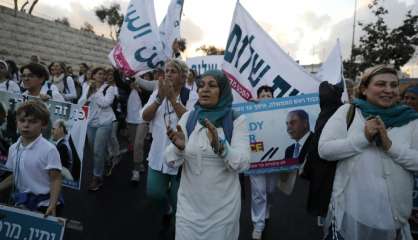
63	20
381	45
112	16
211	50
87	27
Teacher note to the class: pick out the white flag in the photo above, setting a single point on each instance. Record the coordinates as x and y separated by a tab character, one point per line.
139	47
170	26
252	59
332	69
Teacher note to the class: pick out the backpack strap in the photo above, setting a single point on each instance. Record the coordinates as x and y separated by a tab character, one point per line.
7	84
105	90
350	115
49	91
65	84
184	95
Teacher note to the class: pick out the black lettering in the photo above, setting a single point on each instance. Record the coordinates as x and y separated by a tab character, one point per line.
280	83
235	35
254	69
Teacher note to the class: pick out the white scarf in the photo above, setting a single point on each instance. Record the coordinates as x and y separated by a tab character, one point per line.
58	82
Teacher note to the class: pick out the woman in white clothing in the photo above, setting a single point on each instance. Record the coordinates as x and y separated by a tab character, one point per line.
377	155
212	153
99	97
62	81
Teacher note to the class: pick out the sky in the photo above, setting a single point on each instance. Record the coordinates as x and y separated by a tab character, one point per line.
305	29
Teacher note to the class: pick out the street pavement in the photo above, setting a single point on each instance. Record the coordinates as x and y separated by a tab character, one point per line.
120	211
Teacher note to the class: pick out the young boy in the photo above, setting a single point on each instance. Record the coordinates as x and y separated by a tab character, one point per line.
35	162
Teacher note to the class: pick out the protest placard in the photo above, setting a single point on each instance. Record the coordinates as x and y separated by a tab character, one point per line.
21	224
268	136
75	118
205	63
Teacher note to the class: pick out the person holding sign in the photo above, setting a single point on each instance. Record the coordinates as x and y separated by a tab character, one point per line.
262	185
377	156
212	146
35	163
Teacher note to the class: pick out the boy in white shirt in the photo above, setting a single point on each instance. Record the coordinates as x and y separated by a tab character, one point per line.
35	163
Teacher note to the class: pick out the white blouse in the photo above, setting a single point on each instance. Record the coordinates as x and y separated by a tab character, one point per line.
372	188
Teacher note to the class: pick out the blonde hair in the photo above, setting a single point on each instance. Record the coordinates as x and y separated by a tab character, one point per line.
180	65
369	73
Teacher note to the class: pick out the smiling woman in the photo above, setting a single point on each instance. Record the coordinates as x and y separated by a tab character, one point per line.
376	156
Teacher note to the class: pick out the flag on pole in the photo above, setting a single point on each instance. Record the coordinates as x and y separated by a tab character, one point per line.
139	47
253	59
170	26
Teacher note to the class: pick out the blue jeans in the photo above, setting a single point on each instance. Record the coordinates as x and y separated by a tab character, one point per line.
97	139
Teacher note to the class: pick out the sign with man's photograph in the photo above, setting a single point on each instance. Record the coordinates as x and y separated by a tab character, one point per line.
278	129
68	126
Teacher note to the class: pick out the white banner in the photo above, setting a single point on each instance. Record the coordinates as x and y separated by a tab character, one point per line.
332	69
205	63
252	59
139	47
170	26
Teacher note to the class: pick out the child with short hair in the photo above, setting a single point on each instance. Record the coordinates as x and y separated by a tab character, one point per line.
35	162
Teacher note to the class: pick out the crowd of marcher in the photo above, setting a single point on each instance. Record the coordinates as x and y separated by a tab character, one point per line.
359	159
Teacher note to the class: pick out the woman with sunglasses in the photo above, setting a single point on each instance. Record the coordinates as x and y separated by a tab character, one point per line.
377	155
212	155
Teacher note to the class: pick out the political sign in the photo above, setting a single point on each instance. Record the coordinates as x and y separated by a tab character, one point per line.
205	63
271	134
75	119
252	59
139	47
22	224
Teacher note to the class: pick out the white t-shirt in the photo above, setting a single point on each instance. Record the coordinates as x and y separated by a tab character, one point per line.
163	115
12	88
31	164
134	107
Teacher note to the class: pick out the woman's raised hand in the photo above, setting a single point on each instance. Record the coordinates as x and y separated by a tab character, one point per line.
386	143
177	137
213	137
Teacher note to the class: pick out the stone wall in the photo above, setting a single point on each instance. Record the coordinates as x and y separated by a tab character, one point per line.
24	35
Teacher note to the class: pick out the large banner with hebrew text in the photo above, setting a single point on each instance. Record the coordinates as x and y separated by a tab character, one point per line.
253	59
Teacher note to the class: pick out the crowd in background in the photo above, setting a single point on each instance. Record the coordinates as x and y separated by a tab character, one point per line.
174	105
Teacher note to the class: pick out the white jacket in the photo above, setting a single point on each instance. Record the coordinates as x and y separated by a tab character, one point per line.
396	165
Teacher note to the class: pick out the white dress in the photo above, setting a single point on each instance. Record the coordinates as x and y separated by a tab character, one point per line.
209	196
